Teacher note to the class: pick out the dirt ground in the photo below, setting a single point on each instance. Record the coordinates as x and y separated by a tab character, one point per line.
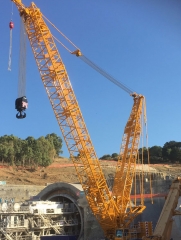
62	170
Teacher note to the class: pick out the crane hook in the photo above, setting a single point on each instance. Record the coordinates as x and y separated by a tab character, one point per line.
21	104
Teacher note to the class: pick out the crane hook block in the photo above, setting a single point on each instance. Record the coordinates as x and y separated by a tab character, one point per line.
11	25
21	104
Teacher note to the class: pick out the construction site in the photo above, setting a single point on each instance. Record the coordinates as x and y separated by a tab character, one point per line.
83	197
59	209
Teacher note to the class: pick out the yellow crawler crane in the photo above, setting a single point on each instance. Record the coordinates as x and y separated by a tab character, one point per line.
113	211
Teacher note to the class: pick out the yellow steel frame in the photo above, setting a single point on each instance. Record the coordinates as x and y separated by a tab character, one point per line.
127	163
108	209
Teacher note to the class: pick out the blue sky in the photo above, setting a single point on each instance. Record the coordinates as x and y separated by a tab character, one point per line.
136	41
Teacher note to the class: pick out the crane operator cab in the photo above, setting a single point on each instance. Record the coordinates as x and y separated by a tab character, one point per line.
122	234
21	104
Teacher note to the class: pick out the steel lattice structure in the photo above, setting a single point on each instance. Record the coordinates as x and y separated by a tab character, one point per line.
109	209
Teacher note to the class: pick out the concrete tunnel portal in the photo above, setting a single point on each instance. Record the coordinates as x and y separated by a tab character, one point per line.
71	195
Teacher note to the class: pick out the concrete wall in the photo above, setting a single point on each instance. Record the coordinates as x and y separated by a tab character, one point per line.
18	192
91	228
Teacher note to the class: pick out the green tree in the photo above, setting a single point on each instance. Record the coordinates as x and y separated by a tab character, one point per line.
46	148
142	155
3	152
106	157
167	148
175	154
18	147
155	151
9	151
114	156
31	148
31	151
57	142
155	154
10	156
29	154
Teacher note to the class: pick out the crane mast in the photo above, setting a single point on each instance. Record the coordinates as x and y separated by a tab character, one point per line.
127	163
110	210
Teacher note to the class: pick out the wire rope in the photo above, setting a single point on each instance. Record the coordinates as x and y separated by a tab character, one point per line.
22	62
89	62
105	74
11	42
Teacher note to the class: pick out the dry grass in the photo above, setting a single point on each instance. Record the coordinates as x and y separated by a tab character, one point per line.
62	170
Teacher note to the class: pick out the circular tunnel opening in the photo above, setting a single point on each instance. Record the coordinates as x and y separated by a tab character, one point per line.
71	218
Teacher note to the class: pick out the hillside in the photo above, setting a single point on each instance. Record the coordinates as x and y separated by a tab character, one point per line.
62	170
